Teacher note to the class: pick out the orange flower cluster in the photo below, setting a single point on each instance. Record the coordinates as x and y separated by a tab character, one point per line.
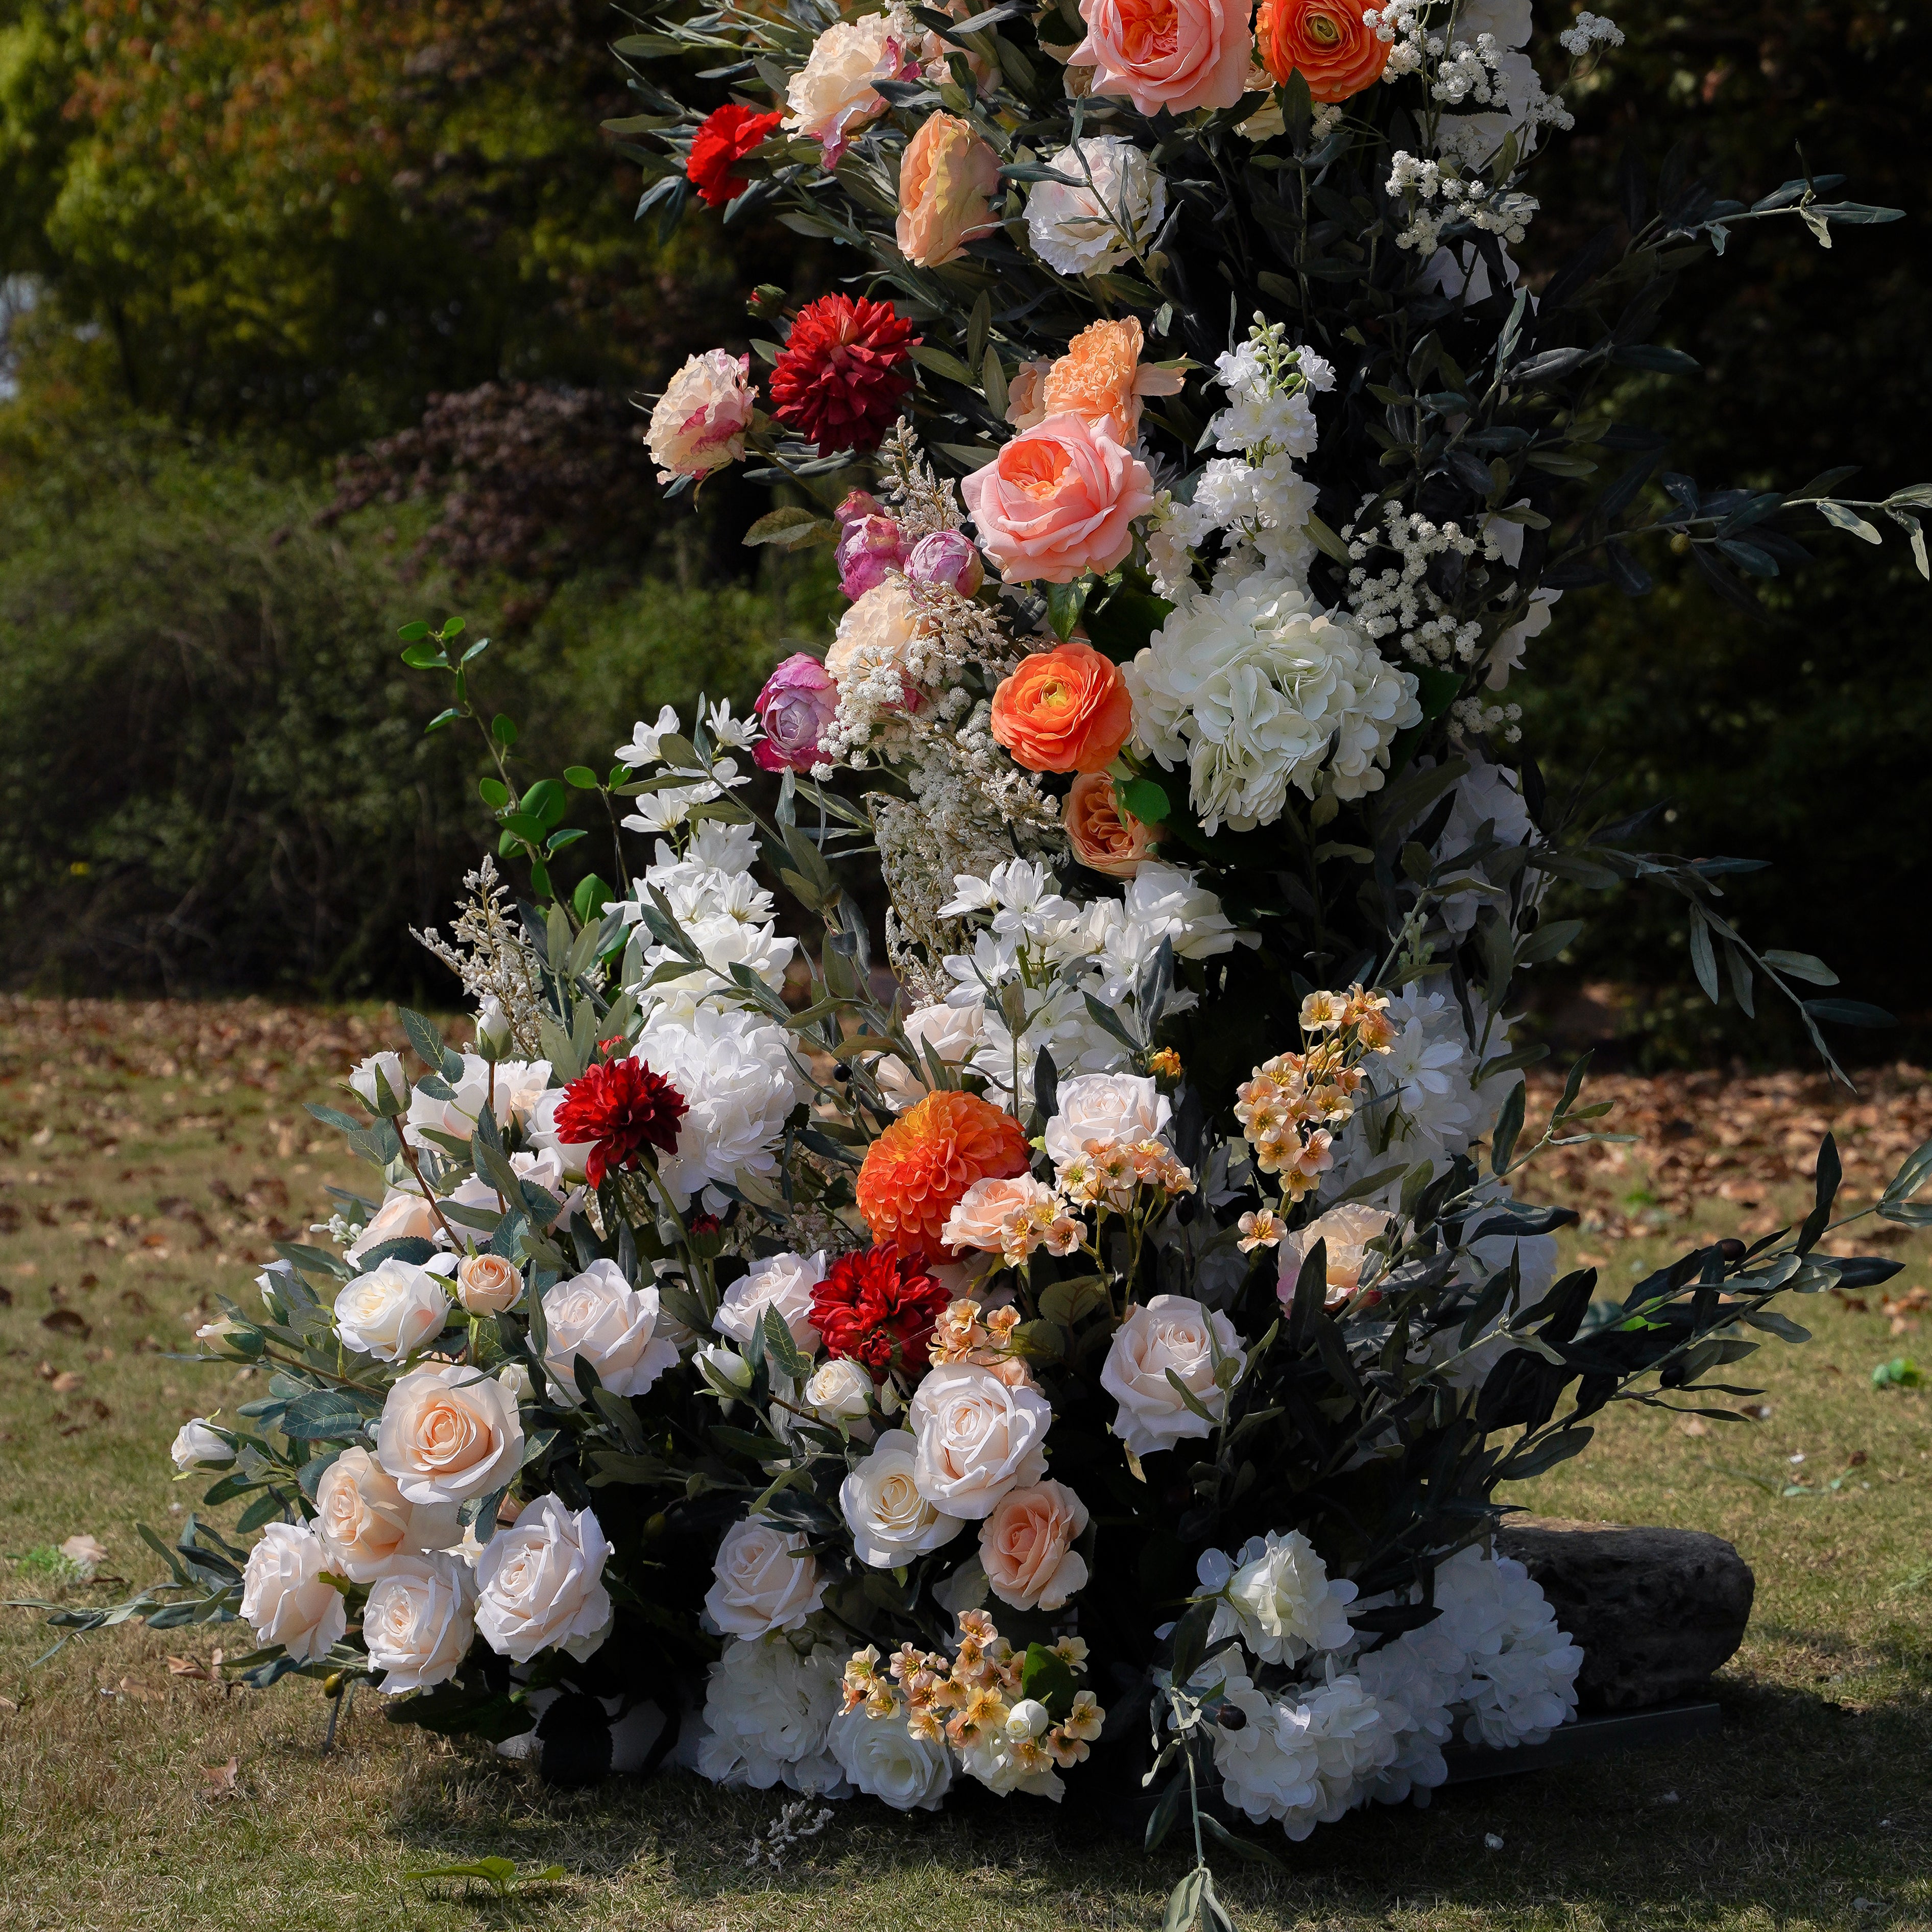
968	1333
1289	1108
1107	1173
918	1171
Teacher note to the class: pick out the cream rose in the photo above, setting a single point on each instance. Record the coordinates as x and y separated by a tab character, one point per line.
1170	1332
404	1215
365	1521
488	1284
698	424
1026	1547
877	629
449	1433
539	1584
379	1072
841	1390
954	1034
832	96
891	1523
765	1580
1124	1107
617	1329
284	1598
418	1621
392	1311
783	1281
884	1760
1348	1231
977	1438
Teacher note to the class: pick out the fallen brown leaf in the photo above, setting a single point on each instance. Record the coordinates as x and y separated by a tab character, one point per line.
221	1778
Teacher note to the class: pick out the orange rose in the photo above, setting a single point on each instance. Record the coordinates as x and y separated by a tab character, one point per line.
947	176
918	1171
1100	377
1060	499
1105	835
1323	40
1066	709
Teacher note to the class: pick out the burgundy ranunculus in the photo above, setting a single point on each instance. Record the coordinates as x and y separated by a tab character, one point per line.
797	704
620	1107
868	546
946	559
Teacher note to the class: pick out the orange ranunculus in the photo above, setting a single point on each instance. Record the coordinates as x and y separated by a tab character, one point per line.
1066	709
1323	40
1105	835
917	1172
947	178
1101	377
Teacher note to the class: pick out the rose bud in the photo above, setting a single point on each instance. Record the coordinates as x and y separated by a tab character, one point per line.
488	1284
945	560
868	548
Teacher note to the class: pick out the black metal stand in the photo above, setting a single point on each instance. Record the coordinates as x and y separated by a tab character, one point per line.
1601	1736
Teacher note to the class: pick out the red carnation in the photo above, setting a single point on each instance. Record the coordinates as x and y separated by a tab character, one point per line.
878	1306
727	136
622	1107
840	378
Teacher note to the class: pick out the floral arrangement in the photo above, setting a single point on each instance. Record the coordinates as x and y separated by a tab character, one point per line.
1097	1328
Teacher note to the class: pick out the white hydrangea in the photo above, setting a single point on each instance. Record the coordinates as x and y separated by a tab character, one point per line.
1519	1681
1303	1758
1109	207
768	1706
1278	1598
1247	684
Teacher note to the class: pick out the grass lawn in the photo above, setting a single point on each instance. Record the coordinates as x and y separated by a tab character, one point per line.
149	1154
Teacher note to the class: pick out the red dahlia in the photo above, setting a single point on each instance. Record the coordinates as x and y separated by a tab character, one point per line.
619	1107
725	138
878	1306
839	379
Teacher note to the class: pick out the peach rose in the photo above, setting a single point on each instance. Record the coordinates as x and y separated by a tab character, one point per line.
947	177
1176	54
365	1520
1026	1546
488	1284
1026	395
1059	500
1323	40
1100	377
450	1433
1106	836
1347	1230
1066	709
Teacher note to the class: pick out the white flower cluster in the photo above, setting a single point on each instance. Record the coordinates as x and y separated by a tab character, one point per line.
1589	30
768	1703
1437	195
1397	602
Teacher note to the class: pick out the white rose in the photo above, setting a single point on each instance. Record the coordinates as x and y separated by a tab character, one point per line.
387	1069
977	1438
512	1088
765	1580
884	1760
1124	1107
494	1035
832	96
573	1156
284	1599
726	1372
766	1708
418	1621
198	1444
539	1584
954	1034
1077	229
404	1215
544	1168
840	1390
488	1284
891	1523
449	1433
1171	1331
617	1329
365	1520
1281	1602
783	1281
393	1311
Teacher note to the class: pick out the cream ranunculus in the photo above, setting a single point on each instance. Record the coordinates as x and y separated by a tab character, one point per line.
449	1433
365	1521
884	1760
783	1281
1125	1107
617	1329
540	1584
832	96
891	1523
198	1444
977	1438
1171	1331
1026	1546
284	1598
488	1284
765	1580
392	1311
1347	1230
418	1621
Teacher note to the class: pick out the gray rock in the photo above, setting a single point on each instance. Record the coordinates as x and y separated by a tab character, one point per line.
1656	1611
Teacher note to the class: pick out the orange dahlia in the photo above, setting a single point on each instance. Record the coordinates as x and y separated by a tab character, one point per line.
916	1171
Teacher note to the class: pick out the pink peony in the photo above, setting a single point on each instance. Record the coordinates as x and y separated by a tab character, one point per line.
700	421
1176	54
797	704
868	546
1059	500
945	560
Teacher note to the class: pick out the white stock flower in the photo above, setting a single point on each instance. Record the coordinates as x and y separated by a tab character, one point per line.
883	1760
1125	1107
198	1444
891	1523
540	1584
1110	207
379	1071
1169	1332
284	1599
1281	1601
767	1705
977	1438
618	1329
783	1281
418	1621
765	1580
393	1311
449	1433
365	1521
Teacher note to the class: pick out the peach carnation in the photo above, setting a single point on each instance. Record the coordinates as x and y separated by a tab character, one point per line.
1059	500
1100	377
1105	835
918	1171
1066	709
947	178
